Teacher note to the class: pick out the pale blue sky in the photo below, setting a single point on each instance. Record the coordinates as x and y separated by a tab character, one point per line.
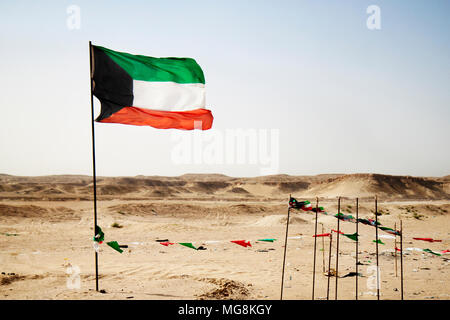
344	98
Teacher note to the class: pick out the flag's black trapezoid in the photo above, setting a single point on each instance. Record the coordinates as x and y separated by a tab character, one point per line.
113	85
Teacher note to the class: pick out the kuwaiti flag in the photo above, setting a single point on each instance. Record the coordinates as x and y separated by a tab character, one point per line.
164	93
307	206
293	203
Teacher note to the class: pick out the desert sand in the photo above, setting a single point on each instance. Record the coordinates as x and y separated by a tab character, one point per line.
47	228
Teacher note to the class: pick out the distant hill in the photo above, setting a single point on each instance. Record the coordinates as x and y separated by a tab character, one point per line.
219	186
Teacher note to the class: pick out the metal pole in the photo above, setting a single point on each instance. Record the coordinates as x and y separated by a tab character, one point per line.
401	257
395	249
337	250
285	245
357	240
323	250
93	160
329	266
315	242
376	243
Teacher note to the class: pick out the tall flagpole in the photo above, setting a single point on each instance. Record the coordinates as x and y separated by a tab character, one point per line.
376	243
401	257
337	250
357	240
93	161
315	242
285	245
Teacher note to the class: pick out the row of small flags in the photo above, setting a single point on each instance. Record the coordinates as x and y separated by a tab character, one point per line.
242	243
100	236
306	206
369	222
354	237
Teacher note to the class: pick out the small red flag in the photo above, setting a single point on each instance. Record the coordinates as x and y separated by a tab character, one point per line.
166	243
427	239
242	243
323	235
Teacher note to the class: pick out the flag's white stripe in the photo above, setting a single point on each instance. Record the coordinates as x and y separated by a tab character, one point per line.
168	96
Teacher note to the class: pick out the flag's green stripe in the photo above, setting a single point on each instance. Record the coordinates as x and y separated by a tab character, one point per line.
179	70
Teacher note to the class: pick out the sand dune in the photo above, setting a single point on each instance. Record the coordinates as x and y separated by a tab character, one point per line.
194	186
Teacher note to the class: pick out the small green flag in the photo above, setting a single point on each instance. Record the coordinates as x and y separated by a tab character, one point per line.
187	244
354	236
99	235
429	251
378	241
267	240
114	245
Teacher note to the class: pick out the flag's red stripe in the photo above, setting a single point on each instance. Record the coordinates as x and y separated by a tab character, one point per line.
162	119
